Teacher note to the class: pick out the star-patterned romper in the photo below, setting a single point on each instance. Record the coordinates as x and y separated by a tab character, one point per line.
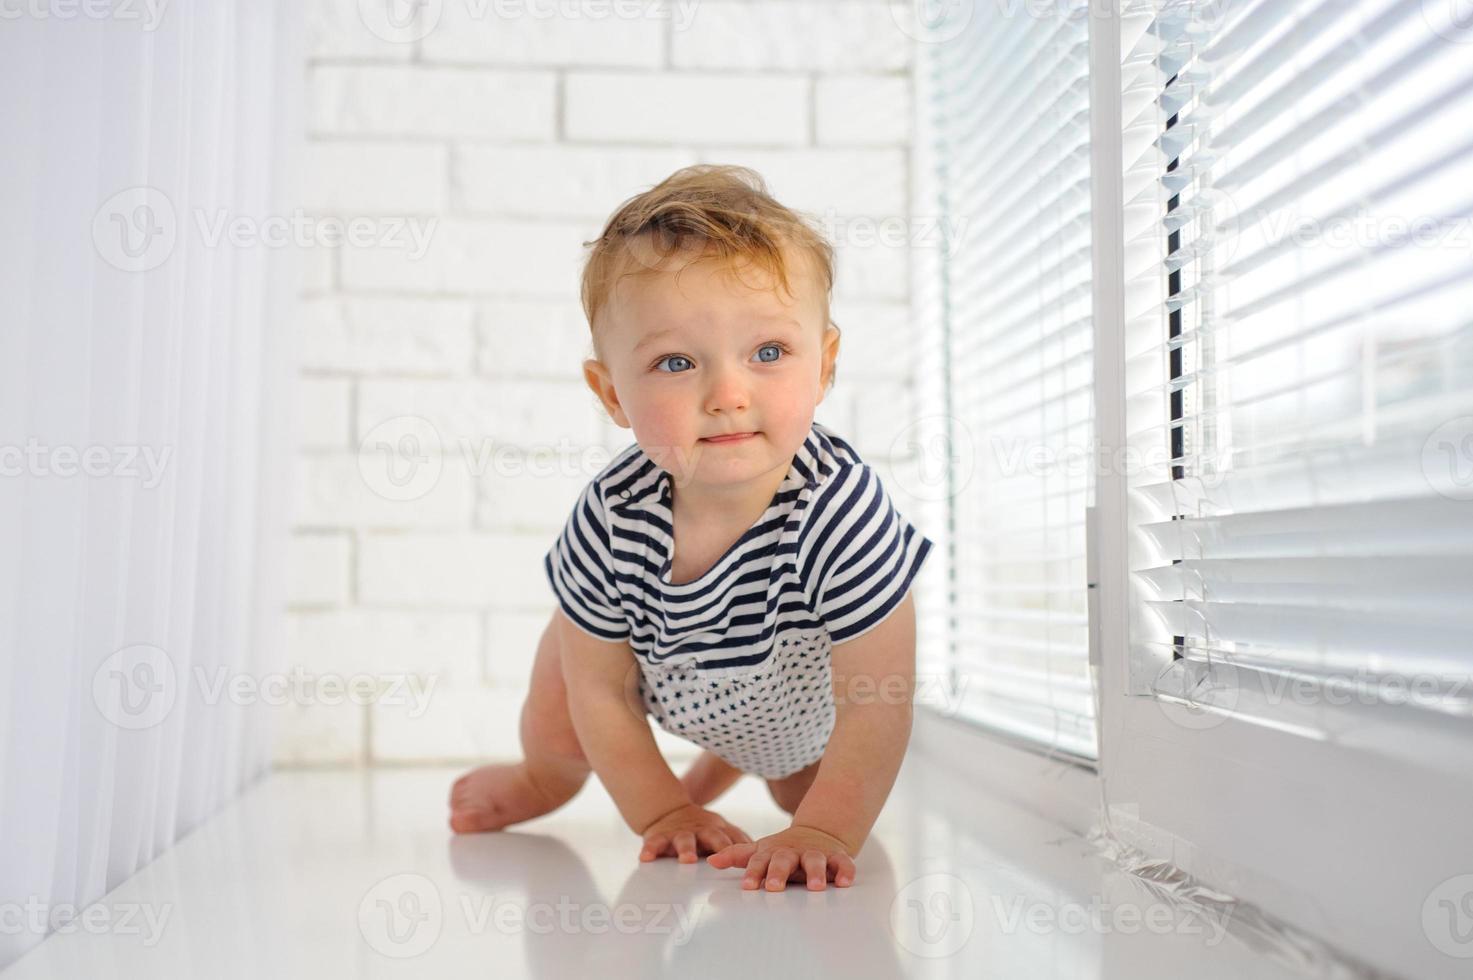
738	660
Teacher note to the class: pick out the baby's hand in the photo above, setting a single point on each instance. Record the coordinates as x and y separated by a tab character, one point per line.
681	831
791	854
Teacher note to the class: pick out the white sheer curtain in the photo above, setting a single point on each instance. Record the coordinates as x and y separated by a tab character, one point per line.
143	383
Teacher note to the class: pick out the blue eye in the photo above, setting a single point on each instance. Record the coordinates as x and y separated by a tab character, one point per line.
671	357
681	357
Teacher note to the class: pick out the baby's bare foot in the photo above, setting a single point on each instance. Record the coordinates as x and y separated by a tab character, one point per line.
496	796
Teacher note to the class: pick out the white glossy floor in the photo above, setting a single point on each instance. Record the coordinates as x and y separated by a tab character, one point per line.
355	874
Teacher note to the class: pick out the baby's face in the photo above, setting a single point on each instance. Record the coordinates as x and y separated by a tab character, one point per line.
711	354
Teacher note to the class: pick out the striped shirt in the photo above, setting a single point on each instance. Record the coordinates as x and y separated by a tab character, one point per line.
738	660
830	551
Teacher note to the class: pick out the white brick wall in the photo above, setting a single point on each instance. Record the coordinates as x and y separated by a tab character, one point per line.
506	141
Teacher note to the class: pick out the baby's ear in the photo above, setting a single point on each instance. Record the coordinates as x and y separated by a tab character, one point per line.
601	382
830	357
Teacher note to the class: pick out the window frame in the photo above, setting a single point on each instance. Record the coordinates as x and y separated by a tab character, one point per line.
1178	794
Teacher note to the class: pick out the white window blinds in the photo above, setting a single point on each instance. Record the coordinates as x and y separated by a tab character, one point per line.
1299	280
1008	129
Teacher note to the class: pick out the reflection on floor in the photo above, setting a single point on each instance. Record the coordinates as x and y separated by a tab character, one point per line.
316	874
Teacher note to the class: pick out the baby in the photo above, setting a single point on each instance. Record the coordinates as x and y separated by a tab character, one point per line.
739	574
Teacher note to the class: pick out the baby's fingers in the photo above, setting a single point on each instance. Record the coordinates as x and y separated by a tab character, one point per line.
756	868
842	867
685	846
734	856
784	861
654	846
815	866
714	838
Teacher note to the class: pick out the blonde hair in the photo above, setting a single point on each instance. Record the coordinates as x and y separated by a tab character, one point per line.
721	209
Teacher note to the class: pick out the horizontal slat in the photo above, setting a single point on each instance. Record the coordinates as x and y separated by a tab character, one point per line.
1402	583
1430	525
1386	640
1324	476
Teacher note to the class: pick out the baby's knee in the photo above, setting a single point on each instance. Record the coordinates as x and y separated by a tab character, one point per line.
780	797
788	792
548	729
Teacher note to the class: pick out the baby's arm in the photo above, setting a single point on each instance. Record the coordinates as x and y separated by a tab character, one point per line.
874	682
608	717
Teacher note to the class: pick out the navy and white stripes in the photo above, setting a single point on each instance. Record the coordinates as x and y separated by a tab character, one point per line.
830	552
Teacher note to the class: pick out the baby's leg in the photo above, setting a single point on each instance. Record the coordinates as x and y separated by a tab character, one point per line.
789	791
554	767
708	777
